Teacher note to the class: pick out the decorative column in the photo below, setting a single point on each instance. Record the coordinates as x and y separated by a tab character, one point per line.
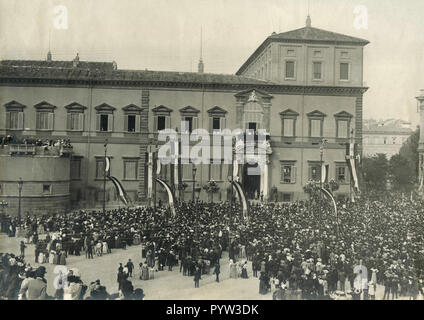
420	99
144	142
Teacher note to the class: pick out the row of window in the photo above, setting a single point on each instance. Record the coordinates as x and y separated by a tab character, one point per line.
385	140
216	172
289	172
74	119
317	70
253	118
130	168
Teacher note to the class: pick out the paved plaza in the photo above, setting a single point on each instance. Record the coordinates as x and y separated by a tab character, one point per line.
167	285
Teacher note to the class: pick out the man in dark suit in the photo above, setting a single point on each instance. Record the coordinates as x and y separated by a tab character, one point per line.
217	271
130	267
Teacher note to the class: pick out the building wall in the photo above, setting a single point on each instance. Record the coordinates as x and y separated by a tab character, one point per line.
89	144
276	54
36	171
387	143
87	190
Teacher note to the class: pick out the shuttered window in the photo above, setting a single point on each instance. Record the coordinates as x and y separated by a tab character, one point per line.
342	129
104	122
75	121
132	123
290	69
100	168
130	169
288	173
316	128
44	120
76	169
317	70
344	71
288	127
14	120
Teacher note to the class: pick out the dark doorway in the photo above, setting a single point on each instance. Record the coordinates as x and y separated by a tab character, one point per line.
251	183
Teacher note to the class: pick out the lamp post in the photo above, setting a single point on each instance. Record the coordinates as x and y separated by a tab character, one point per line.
321	153
20	185
104	181
3	205
194	170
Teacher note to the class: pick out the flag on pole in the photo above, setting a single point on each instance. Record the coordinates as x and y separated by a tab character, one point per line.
171	196
352	159
119	190
118	186
150	175
242	197
324	173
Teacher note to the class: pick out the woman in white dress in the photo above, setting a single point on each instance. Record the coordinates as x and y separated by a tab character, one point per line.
51	256
233	269
105	247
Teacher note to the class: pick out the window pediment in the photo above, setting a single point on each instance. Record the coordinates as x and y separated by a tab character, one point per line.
105	108
289	113
44	106
189	110
75	107
316	114
217	111
162	110
14	105
343	115
132	108
261	95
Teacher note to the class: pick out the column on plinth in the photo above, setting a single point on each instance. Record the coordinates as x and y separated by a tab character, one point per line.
420	99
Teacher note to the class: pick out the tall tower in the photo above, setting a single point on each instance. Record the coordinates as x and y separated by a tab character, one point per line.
201	66
420	99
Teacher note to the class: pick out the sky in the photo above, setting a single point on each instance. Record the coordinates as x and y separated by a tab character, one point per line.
165	35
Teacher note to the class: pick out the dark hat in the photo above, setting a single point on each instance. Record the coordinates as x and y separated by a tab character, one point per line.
40	272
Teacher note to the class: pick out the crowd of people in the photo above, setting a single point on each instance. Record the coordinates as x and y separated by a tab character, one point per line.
297	250
34	141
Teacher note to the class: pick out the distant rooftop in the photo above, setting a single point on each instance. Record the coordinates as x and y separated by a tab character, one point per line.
388	125
85	70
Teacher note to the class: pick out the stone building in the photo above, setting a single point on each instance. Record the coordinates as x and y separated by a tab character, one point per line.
301	86
385	136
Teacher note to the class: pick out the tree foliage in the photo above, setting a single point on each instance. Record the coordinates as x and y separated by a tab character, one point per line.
409	151
375	172
402	173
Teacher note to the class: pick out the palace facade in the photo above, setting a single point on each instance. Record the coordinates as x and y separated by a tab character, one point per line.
306	84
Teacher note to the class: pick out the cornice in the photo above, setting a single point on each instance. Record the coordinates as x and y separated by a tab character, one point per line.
125	84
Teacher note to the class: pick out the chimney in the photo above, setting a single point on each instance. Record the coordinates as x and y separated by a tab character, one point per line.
49	56
308	22
76	61
201	66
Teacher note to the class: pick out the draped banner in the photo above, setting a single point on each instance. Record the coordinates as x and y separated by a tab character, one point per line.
150	175
107	166
171	196
235	169
118	186
351	159
158	167
328	194
242	198
324	173
119	190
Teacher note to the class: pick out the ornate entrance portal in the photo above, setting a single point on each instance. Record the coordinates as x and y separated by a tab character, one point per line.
251	183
